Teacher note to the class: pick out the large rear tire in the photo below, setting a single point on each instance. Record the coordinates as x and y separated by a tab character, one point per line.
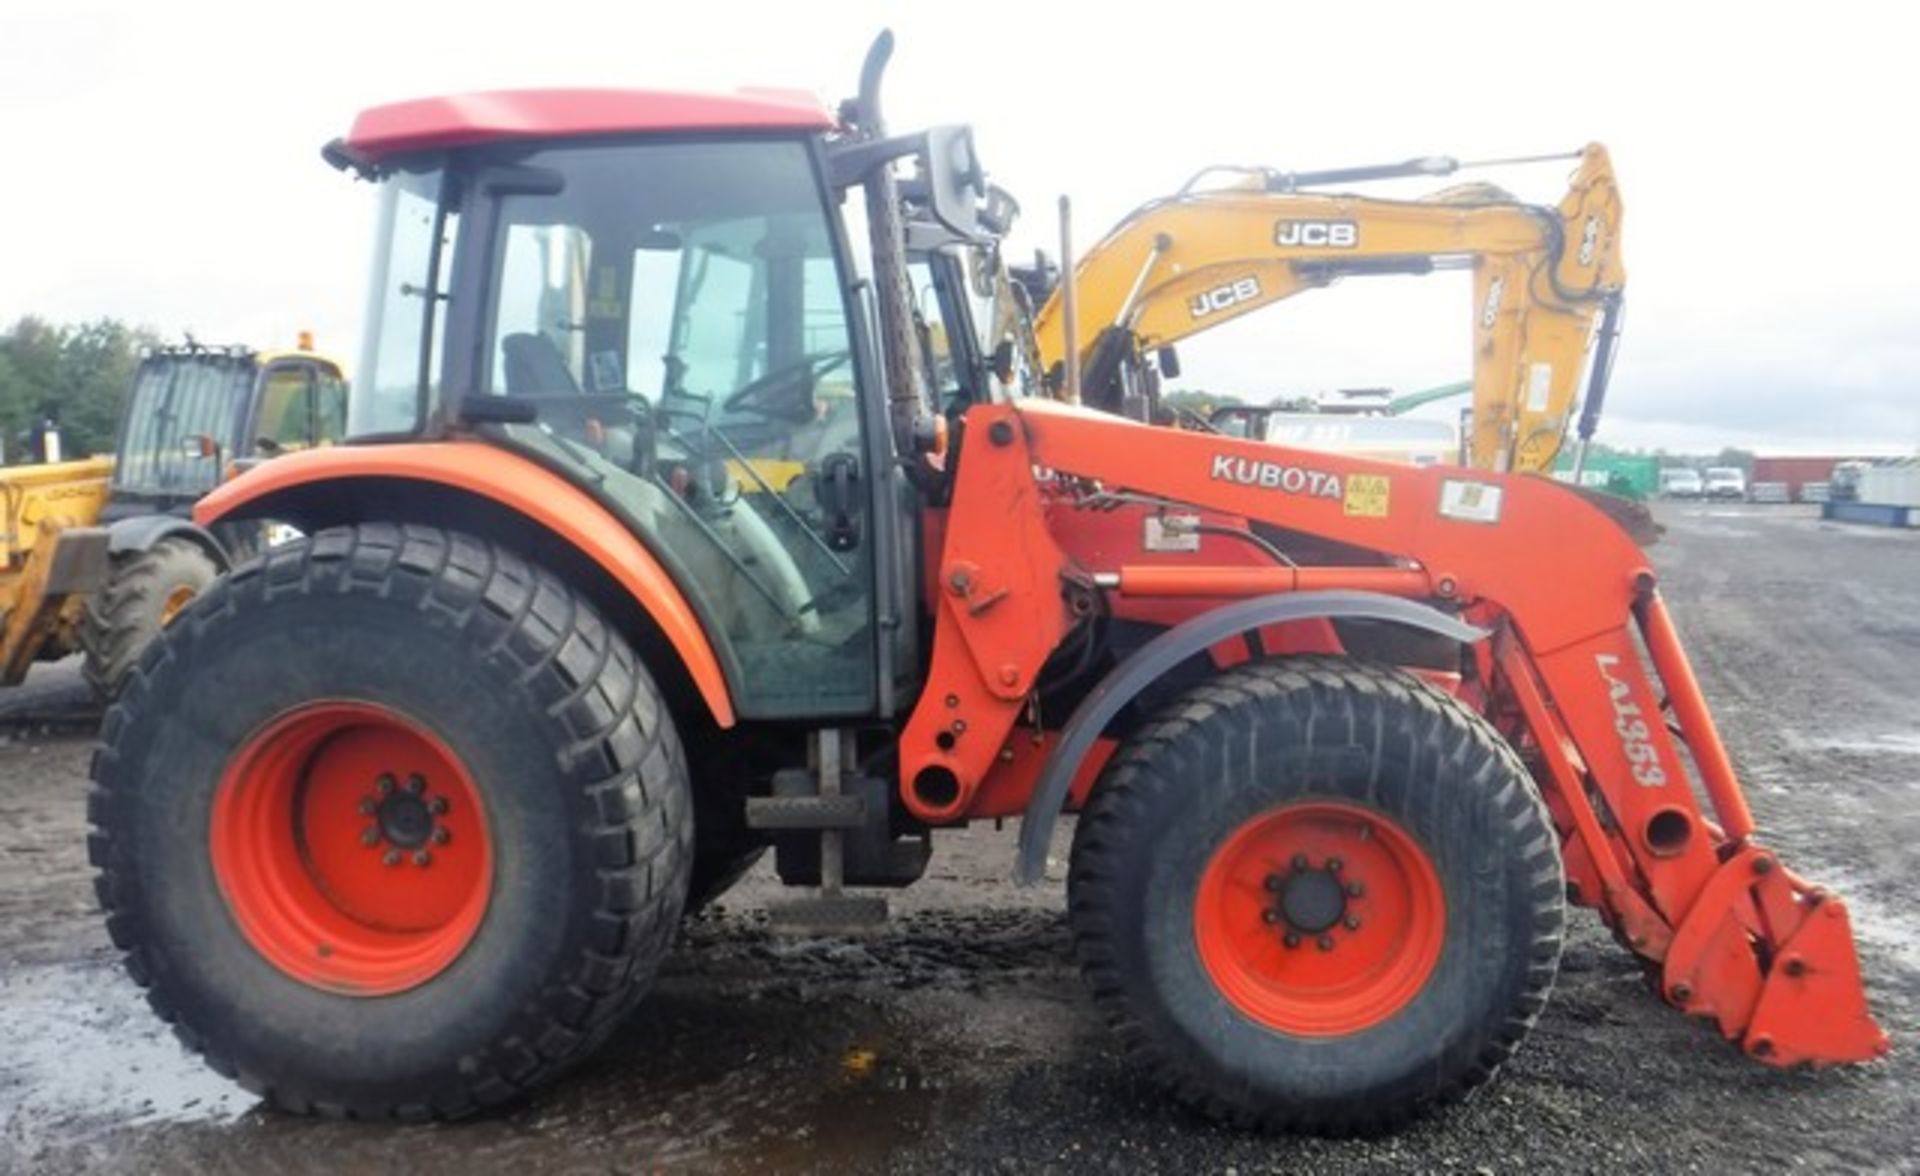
391	825
1319	895
145	590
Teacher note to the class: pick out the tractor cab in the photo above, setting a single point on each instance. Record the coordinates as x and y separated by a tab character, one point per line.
194	412
684	322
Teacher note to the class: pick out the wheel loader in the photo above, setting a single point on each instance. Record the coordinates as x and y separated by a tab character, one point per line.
100	554
654	546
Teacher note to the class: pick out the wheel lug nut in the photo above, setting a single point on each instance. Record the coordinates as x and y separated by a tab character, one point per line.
1300	861
366	806
1333	865
392	858
1269	916
416	783
1273	882
1293	939
370	835
441	835
1355	890
422	858
1325	942
1353	923
384	784
437	805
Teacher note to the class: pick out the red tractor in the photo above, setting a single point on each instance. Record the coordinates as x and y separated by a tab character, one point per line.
696	508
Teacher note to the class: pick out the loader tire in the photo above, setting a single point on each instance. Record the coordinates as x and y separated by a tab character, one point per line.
145	590
391	825
1316	894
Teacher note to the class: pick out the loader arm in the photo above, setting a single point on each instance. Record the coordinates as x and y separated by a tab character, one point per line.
1185	264
1737	938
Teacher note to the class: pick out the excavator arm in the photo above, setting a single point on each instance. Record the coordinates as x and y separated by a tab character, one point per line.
1183	265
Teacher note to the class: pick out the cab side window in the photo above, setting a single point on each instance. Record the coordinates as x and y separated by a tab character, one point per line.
301	405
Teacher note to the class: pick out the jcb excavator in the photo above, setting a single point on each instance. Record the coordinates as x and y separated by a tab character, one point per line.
1204	256
398	819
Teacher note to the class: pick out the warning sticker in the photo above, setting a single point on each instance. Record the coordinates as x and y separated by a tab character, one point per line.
1367	495
1472	502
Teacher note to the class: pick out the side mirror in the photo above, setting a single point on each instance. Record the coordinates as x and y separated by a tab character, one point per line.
956	183
1169	362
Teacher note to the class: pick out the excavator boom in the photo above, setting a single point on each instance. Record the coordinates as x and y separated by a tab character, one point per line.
1185	264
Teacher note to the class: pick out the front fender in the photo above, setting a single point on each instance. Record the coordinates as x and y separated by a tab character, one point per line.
1169	649
538	495
139	532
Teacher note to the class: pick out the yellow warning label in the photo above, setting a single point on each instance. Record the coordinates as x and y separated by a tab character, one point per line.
1367	495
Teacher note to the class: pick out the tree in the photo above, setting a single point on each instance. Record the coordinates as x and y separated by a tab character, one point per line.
1198	402
1741	459
75	375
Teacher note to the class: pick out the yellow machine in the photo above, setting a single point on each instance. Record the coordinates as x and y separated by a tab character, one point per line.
98	555
1202	257
50	552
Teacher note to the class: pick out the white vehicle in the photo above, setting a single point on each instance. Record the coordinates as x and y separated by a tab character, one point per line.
1681	482
1726	482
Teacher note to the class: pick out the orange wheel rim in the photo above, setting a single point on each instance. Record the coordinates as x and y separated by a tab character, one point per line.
350	844
176	600
1319	919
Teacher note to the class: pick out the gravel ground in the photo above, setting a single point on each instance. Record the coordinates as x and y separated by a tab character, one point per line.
961	1038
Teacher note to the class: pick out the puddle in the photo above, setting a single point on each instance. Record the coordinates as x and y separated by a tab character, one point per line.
82	1047
1862	744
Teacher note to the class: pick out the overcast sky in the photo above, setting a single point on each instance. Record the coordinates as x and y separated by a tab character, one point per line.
162	167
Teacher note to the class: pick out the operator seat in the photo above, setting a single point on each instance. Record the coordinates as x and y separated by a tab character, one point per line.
535	367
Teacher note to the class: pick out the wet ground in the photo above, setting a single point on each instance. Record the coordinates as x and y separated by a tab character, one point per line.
961	1039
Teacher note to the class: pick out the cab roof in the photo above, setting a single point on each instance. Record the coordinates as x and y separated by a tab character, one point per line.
460	120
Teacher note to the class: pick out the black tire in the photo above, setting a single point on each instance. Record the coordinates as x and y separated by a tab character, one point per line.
124	616
565	737
1296	732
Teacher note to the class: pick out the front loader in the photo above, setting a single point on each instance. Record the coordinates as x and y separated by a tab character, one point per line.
658	546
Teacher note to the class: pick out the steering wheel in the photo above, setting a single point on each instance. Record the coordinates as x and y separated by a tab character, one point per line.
757	395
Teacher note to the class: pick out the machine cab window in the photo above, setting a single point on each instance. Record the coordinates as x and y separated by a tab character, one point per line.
673	317
303	404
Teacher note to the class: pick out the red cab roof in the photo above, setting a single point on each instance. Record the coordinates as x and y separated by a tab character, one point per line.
458	120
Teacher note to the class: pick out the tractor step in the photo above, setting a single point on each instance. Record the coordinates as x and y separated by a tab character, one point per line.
828	915
846	811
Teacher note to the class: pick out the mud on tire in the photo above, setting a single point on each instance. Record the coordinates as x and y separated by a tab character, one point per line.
565	741
144	590
1222	821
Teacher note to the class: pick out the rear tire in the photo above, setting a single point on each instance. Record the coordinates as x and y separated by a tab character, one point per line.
1382	825
249	743
145	590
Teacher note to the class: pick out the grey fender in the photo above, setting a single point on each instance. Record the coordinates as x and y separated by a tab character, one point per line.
140	532
1168	650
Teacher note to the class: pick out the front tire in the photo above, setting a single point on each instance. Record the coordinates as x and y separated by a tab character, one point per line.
144	591
1316	894
391	825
